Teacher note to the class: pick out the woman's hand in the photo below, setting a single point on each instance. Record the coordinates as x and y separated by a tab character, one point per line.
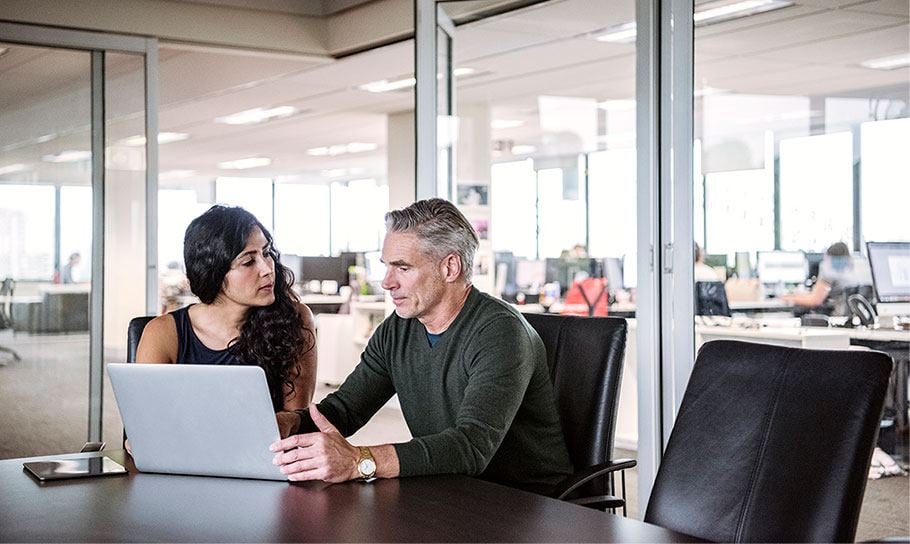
288	422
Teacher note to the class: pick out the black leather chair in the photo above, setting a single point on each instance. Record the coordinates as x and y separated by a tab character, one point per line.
7	288
771	444
585	356
133	334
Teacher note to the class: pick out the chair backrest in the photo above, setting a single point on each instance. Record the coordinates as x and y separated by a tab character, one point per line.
585	356
133	334
771	444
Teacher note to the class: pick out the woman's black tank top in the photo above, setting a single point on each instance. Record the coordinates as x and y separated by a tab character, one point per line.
191	350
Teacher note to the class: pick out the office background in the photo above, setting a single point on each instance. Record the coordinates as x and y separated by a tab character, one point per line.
303	113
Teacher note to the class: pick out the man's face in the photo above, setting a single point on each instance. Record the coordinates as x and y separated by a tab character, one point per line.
415	280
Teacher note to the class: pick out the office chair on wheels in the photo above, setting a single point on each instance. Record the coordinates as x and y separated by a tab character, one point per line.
585	356
6	320
134	334
771	444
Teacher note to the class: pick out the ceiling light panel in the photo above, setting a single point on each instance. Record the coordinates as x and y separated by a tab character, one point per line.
257	115
163	138
69	155
890	62
341	149
243	164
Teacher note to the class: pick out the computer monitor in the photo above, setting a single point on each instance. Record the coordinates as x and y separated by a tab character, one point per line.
323	269
815	261
711	298
890	262
504	263
530	273
787	267
613	272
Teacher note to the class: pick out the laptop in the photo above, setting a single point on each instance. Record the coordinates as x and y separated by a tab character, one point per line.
205	420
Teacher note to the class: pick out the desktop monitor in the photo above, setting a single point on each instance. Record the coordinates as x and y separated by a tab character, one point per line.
530	273
711	298
504	262
323	269
787	267
613	272
815	261
890	262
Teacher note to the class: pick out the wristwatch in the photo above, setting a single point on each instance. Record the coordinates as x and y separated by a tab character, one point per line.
366	465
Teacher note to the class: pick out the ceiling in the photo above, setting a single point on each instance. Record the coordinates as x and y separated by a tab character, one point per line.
813	48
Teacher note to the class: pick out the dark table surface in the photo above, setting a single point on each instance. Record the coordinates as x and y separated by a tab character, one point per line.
159	507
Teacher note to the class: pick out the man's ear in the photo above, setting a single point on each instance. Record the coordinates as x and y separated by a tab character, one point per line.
452	267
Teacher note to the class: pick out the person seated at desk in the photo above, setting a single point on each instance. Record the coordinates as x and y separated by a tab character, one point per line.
470	373
248	312
827	295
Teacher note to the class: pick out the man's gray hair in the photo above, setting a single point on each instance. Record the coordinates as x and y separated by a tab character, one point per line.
441	229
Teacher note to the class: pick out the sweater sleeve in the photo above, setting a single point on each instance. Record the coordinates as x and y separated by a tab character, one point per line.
361	395
499	362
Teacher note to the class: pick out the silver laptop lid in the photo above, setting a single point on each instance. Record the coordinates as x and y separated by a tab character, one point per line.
209	420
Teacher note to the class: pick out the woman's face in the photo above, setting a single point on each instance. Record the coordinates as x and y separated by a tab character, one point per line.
251	279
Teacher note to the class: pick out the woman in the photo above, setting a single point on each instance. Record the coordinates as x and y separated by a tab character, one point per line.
248	312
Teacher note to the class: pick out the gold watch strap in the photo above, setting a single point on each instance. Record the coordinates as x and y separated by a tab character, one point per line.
365	453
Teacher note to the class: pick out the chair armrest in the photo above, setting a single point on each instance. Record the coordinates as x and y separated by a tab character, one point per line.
578	479
599	502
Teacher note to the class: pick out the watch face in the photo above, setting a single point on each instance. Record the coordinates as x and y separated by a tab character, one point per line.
367	467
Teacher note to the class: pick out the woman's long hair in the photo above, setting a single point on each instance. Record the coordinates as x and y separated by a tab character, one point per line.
272	337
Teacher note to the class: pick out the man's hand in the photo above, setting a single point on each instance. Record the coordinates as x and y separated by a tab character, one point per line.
287	423
325	455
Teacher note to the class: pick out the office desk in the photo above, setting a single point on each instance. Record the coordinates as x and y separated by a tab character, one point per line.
157	507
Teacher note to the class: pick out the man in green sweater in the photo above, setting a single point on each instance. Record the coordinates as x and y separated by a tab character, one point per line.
470	373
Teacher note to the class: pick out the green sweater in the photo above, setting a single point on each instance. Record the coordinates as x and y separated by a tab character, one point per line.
478	403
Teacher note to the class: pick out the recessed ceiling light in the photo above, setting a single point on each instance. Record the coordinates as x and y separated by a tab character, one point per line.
256	115
69	155
887	63
243	164
505	123
341	149
163	138
46	138
523	149
713	12
176	174
458	72
13	168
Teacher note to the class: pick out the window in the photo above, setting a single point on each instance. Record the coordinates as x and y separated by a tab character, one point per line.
27	221
744	199
76	227
252	194
513	193
611	186
358	212
302	218
885	190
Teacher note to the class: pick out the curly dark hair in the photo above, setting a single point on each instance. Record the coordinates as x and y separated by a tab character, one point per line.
271	336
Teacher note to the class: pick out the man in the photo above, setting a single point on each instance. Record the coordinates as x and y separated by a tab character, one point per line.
70	272
827	295
470	374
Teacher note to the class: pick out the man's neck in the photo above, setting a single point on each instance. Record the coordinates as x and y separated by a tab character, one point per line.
448	309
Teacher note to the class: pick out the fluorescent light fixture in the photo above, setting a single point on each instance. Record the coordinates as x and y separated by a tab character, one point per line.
46	138
13	168
523	149
621	104
243	164
891	62
713	12
341	149
176	174
69	155
163	138
506	123
256	115
385	85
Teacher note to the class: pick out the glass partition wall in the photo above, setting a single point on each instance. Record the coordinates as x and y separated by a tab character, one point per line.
73	178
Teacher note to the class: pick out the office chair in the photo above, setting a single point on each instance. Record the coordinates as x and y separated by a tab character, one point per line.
585	356
771	444
6	320
133	334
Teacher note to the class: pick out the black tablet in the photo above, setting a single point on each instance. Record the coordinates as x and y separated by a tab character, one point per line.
74	468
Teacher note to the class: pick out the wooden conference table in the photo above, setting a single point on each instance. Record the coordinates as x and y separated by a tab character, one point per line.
159	507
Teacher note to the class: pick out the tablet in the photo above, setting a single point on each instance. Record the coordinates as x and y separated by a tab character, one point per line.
61	469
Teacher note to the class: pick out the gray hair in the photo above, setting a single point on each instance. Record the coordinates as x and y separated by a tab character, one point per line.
441	229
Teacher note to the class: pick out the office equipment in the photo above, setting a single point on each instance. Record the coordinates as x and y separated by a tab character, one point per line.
530	274
814	259
166	508
585	357
177	415
612	270
785	424
711	299
323	269
890	262
505	265
782	267
64	469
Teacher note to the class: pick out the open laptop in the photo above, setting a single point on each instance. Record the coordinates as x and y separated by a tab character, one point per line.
208	420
